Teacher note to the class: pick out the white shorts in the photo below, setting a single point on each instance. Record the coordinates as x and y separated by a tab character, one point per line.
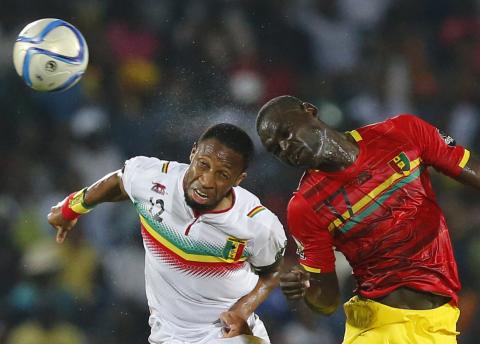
164	332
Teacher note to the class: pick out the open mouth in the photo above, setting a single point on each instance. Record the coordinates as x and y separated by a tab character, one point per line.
199	196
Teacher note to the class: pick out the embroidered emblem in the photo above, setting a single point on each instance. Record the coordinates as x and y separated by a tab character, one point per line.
400	164
234	248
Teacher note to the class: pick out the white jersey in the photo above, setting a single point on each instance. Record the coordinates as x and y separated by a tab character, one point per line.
197	265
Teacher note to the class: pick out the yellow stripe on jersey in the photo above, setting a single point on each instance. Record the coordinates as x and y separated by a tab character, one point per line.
372	195
165	167
465	158
309	269
181	253
356	135
255	211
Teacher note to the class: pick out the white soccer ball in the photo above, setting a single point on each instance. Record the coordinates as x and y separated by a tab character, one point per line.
50	55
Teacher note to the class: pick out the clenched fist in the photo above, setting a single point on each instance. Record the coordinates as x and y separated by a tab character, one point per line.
295	283
234	325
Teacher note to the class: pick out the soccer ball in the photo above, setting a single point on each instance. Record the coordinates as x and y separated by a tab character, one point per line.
50	55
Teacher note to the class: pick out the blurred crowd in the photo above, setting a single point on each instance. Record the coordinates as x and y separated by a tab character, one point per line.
160	72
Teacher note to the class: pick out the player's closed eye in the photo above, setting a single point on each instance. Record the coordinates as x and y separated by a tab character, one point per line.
202	164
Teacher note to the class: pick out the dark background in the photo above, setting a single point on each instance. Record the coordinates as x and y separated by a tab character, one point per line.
160	72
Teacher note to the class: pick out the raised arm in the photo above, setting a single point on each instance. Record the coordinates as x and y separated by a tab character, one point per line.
64	216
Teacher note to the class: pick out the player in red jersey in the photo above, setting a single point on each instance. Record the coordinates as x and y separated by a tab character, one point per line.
367	193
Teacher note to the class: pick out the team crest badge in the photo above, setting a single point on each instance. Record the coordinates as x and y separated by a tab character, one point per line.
234	248
400	164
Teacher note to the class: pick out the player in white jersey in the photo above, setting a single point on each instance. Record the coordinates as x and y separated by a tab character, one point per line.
212	251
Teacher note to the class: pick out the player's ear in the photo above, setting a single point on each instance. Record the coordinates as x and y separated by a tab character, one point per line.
240	178
310	108
193	151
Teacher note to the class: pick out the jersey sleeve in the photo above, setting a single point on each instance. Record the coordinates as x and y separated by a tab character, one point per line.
314	244
132	171
270	247
437	149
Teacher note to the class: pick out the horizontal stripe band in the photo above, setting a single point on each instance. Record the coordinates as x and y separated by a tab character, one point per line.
310	269
255	211
180	252
370	197
379	202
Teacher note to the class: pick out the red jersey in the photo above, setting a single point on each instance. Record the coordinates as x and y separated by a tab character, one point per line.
381	211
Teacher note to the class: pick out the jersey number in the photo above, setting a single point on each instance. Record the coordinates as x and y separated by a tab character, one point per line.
328	203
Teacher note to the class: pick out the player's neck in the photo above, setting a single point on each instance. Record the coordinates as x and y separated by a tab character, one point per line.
337	152
226	203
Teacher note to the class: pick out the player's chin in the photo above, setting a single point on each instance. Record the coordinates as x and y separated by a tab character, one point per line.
197	205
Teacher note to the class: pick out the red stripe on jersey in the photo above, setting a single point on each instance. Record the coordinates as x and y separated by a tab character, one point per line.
200	269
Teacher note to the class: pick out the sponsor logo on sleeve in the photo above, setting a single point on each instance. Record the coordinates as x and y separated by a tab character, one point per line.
447	138
158	188
300	248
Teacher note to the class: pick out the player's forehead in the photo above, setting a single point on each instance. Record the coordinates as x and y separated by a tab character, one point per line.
218	152
276	124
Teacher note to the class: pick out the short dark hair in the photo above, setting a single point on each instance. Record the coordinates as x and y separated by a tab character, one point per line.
281	103
233	137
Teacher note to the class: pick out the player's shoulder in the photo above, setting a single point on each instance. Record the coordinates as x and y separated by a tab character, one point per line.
251	210
405	120
152	163
398	122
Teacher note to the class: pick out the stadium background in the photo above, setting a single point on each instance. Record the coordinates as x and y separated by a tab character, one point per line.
162	71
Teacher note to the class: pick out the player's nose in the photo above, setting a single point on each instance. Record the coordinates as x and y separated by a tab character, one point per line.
207	180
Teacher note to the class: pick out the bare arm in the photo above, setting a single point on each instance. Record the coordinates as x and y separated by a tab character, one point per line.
320	291
108	189
247	304
323	296
471	173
